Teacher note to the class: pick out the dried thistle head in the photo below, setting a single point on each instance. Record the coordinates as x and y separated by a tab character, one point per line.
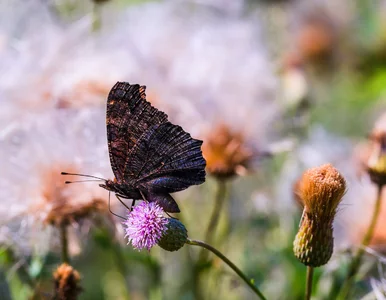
63	204
67	281
376	163
321	190
227	153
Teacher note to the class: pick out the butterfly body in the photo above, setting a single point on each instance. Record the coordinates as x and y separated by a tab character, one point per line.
121	189
150	156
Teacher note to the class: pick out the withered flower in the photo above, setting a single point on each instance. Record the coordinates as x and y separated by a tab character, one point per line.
376	164
227	153
321	190
66	283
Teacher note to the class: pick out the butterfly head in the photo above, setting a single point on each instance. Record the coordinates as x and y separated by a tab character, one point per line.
109	185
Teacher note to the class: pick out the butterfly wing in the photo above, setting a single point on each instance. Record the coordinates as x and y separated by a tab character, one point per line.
164	200
165	160
128	117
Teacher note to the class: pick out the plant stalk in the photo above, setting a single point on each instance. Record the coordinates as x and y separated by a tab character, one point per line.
356	261
96	18
215	216
310	275
249	282
64	242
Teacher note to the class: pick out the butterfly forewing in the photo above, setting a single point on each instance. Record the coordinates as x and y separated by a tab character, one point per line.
128	117
167	159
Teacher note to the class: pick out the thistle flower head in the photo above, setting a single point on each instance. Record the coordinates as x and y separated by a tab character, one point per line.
66	282
320	190
145	225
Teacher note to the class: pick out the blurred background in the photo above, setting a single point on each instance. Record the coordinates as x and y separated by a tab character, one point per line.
272	87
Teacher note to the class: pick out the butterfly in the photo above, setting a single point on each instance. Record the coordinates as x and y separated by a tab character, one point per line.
150	157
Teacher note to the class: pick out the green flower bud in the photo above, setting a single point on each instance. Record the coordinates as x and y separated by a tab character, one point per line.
174	237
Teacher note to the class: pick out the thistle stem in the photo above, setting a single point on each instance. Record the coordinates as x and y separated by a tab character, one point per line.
64	242
215	216
229	263
96	18
310	275
356	261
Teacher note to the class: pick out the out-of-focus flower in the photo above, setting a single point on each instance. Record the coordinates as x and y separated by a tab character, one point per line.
55	66
321	190
369	159
316	38
372	156
235	107
227	153
67	281
33	192
62	204
145	225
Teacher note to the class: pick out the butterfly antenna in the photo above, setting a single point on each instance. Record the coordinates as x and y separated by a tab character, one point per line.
76	174
114	212
77	181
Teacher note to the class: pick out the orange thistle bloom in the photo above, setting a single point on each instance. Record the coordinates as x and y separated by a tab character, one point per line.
321	190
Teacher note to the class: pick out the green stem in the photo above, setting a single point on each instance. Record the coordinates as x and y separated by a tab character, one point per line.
310	275
229	263
215	216
356	261
64	242
96	18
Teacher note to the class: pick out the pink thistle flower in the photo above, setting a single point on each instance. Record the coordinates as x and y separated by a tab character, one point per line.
145	225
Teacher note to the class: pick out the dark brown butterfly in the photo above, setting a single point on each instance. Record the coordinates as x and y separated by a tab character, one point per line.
150	156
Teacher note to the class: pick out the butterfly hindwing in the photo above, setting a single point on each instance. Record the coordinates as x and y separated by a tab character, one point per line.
166	159
128	117
163	199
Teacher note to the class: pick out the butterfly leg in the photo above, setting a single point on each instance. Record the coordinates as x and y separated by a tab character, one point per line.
143	196
132	204
114	212
120	200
